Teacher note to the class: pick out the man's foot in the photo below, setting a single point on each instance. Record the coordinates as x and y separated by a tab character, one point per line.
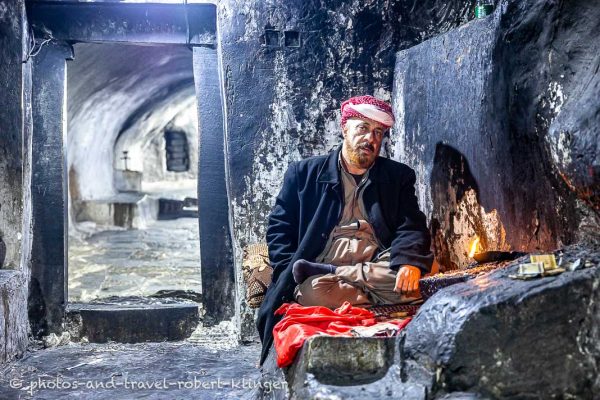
303	269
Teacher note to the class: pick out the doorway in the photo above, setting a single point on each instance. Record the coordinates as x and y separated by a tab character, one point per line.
133	228
59	26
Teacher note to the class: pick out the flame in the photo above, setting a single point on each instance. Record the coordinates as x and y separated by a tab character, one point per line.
473	247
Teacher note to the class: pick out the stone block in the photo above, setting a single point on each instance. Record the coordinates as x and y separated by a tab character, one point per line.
346	368
491	337
343	360
511	96
128	181
133	324
132	212
502	338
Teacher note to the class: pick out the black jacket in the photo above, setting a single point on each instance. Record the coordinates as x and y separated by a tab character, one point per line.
309	206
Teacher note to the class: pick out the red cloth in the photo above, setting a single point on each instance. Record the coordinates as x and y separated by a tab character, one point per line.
300	323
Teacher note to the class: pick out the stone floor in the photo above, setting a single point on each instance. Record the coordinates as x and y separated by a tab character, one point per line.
112	263
210	364
169	370
118	262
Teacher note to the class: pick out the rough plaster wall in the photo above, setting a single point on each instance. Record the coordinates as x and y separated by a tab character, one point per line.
15	178
568	114
27	229
551	91
112	88
14	325
496	91
153	148
291	110
11	128
347	49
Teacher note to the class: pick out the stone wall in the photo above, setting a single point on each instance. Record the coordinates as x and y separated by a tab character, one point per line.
286	69
15	178
154	162
500	119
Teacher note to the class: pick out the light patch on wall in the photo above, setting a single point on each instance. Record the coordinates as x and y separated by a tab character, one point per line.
556	97
415	159
397	135
382	93
560	143
560	148
91	154
471	220
330	137
274	150
251	17
3	10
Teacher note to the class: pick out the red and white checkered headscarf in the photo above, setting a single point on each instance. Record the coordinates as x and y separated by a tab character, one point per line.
368	107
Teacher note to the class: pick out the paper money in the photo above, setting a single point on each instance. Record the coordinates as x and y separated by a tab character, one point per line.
532	268
548	259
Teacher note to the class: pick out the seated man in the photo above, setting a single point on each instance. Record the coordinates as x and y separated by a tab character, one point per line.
346	226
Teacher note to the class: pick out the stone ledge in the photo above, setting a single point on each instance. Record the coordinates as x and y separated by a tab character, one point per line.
132	323
491	337
501	338
330	367
344	360
128	210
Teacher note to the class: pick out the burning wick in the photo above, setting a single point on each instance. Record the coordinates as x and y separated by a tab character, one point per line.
473	247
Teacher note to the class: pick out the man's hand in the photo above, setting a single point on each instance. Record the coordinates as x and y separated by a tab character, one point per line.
407	279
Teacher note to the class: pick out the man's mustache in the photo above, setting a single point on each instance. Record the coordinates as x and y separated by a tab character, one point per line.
366	146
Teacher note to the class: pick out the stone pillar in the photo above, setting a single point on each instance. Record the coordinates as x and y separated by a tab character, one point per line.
11	128
48	287
216	261
15	127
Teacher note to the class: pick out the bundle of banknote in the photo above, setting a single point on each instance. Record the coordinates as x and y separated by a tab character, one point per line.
539	265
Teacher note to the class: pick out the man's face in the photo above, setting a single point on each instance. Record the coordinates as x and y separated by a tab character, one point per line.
362	141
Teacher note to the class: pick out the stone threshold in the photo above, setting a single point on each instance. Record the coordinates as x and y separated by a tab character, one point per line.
125	323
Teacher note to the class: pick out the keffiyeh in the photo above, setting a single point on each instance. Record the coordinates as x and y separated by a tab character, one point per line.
368	107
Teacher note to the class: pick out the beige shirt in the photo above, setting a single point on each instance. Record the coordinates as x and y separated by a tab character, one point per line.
353	240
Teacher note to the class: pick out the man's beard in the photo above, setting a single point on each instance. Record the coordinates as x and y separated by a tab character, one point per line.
361	158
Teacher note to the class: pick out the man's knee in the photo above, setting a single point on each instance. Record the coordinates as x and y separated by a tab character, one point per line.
306	294
328	290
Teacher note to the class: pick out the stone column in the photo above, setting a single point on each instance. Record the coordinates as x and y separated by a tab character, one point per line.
218	271
48	287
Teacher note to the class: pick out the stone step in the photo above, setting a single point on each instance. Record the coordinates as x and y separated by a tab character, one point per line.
101	323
